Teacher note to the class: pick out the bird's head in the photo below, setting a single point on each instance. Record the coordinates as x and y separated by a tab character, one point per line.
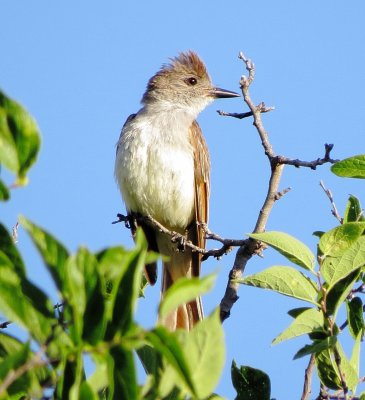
183	84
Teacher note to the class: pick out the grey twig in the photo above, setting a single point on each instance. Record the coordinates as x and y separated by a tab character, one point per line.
37	360
310	164
334	210
263	109
308	378
251	247
15	232
277	163
177	237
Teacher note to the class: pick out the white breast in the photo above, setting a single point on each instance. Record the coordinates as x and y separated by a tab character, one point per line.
155	169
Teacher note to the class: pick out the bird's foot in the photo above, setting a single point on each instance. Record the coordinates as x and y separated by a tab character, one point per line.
180	241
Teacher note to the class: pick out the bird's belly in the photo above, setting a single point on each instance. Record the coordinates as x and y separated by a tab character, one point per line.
158	182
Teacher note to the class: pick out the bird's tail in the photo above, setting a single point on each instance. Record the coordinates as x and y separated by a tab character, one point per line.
186	315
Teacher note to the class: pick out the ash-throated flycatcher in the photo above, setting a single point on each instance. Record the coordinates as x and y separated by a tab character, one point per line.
162	168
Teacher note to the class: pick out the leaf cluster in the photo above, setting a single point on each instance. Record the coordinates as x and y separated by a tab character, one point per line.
326	281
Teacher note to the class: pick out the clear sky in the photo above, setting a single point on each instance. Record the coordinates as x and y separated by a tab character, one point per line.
81	68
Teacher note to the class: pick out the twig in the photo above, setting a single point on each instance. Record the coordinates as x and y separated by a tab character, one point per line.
179	238
245	252
339	368
15	232
334	210
262	106
310	164
277	163
36	361
308	378
13	375
227	244
5	324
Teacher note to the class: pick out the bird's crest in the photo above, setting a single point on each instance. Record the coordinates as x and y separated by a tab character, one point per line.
186	63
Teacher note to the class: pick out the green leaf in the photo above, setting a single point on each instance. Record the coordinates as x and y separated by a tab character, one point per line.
144	285
125	284
72	376
327	370
295	312
336	241
316	347
99	379
87	392
8	247
12	352
54	254
308	321
353	212
203	357
149	358
351	376
183	291
355	316
8	345
111	261
24	303
355	356
250	383
19	137
339	292
84	291
285	280
352	167
4	191
10	364
334	269
205	349
290	247
168	345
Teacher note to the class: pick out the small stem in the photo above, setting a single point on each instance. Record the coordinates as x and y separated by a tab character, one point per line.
334	210
308	378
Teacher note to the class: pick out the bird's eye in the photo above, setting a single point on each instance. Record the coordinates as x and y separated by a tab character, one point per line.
191	81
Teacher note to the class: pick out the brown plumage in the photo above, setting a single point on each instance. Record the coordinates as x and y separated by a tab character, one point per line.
163	170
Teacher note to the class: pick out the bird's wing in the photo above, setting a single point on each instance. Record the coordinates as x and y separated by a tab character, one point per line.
202	189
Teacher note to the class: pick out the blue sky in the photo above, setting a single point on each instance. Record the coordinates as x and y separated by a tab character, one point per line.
81	68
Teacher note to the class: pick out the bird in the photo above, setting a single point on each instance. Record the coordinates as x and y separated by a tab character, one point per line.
162	168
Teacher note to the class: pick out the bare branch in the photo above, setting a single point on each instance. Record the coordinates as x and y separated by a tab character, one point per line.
309	164
181	240
340	371
277	164
245	252
263	109
334	210
13	375
308	379
38	359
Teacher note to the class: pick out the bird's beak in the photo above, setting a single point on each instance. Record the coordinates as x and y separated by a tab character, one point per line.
219	93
